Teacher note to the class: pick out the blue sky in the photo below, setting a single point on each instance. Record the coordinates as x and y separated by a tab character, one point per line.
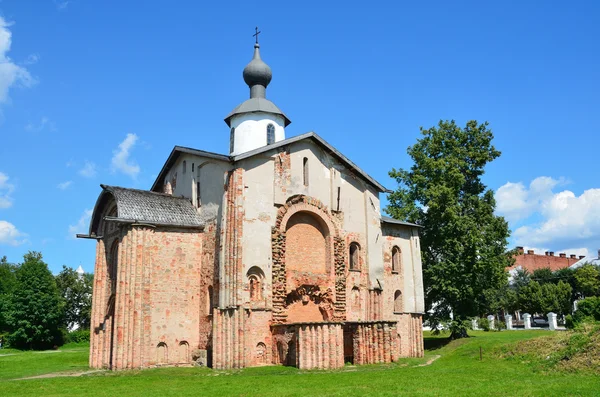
100	91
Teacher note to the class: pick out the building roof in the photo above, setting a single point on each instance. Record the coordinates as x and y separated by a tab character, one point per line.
387	219
321	142
591	260
178	150
143	206
256	105
174	155
531	261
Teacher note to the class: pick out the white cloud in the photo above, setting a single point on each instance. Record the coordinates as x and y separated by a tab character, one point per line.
562	220
10	235
44	123
10	73
120	160
88	170
82	224
6	190
32	59
516	202
64	185
62	4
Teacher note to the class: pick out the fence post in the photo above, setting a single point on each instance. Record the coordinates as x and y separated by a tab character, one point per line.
474	324
527	320
491	321
508	319
552	321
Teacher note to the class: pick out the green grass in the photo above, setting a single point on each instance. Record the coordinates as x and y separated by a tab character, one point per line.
458	372
18	364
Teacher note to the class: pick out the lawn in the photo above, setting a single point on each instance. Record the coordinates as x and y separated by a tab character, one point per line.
457	372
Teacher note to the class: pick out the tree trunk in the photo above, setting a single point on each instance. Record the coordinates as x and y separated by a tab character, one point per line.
458	333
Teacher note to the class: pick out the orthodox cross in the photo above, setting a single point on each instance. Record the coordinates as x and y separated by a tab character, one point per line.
256	34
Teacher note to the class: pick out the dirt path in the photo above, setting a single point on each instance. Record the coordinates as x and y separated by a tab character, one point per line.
430	361
62	374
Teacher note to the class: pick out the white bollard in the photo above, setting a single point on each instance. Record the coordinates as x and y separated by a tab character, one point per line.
491	321
474	324
508	319
552	321
527	320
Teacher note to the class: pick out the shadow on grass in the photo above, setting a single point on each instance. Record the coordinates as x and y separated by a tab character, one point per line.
434	343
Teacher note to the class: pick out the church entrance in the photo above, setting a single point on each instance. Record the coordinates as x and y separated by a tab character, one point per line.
348	345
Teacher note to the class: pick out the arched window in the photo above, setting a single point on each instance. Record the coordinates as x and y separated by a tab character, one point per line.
162	353
354	256
270	134
255	283
184	349
231	139
355	304
305	171
261	353
396	259
398	302
255	288
112	267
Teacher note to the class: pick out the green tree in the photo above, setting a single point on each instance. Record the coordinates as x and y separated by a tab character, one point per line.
76	292
7	276
520	279
463	242
543	275
587	280
7	286
531	298
36	312
556	298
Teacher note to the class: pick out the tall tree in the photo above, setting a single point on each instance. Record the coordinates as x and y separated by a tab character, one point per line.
7	286
37	308
543	276
7	276
463	242
587	280
76	292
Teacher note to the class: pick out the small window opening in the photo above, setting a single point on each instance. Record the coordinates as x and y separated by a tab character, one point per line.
209	301
184	166
192	167
354	256
396	259
255	288
398	302
231	139
270	134
305	171
198	197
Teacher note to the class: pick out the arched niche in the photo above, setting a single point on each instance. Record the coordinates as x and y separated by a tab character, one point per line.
306	250
256	278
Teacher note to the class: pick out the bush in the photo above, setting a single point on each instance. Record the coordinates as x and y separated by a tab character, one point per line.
500	325
588	310
4	336
483	324
79	336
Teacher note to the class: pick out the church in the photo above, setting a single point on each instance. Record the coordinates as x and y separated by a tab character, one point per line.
273	254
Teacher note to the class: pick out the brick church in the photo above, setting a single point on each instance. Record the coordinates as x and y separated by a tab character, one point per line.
276	253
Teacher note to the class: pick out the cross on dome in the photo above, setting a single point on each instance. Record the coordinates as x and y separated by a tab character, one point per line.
256	34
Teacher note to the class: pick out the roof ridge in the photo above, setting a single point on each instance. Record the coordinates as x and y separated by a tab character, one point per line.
144	191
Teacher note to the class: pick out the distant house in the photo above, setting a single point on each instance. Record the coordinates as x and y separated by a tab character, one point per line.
587	260
531	261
